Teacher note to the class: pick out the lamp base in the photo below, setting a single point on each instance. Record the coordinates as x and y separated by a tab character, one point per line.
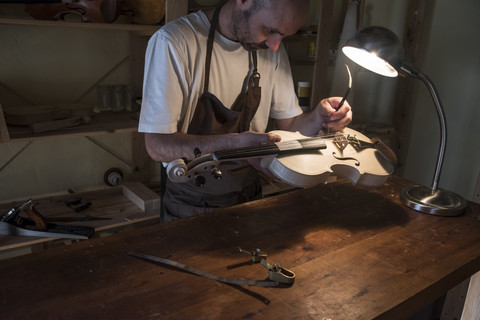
435	202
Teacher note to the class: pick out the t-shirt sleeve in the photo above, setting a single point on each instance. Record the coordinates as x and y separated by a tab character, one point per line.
163	85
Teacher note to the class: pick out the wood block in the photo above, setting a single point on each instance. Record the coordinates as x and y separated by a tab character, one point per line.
471	309
142	196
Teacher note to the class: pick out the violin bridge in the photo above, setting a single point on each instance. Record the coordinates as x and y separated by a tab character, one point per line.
340	141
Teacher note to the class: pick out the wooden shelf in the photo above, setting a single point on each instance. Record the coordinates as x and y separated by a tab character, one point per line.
102	123
173	10
139	29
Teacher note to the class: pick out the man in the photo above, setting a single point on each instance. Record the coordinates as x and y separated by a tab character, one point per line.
210	84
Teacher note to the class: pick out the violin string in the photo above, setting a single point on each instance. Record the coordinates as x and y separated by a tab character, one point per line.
264	149
247	151
326	136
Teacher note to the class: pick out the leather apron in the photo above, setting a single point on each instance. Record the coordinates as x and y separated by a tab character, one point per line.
240	181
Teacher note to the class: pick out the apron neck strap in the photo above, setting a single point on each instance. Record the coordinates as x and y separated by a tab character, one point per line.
211	38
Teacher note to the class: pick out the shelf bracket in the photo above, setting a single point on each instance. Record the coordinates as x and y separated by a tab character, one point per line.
16	155
107	149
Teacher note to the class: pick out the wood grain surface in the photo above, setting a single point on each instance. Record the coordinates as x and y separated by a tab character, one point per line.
357	254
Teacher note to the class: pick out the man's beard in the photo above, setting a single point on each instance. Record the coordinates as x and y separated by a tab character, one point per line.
241	30
253	46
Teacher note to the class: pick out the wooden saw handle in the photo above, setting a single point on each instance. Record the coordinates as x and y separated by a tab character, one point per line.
35	216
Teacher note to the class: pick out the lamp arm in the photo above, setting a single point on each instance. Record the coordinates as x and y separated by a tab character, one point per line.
409	69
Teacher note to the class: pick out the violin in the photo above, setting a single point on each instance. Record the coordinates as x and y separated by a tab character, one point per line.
302	161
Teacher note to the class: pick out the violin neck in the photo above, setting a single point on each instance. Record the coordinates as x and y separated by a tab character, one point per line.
275	149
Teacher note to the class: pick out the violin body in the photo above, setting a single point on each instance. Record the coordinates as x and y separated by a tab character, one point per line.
366	167
301	161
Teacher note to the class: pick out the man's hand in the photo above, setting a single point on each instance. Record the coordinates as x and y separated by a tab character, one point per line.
335	120
323	116
251	138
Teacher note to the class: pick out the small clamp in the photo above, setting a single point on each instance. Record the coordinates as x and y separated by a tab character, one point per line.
278	273
256	255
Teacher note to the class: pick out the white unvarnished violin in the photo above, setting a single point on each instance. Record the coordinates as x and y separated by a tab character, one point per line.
302	161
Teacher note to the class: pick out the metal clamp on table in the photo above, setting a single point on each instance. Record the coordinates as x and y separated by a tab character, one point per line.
278	274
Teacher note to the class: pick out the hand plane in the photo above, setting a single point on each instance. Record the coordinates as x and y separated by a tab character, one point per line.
35	225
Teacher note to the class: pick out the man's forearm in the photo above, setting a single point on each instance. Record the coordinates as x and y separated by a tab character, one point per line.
168	147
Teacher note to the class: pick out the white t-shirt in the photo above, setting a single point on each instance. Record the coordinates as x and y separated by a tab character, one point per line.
175	72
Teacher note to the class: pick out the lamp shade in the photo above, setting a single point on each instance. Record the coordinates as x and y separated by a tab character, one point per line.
377	49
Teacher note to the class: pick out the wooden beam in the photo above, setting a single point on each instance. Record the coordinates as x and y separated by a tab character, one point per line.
321	85
412	44
361	10
138	46
175	9
4	136
140	158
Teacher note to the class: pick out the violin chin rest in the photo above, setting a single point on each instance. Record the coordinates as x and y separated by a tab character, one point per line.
385	150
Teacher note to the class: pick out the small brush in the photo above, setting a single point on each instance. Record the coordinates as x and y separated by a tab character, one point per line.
348	89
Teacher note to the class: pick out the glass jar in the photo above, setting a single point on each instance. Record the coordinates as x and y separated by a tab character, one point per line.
104	98
118	98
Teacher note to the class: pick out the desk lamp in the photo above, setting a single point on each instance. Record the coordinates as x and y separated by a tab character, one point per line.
379	50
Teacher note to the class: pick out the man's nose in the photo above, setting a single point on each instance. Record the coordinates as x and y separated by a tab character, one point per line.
273	42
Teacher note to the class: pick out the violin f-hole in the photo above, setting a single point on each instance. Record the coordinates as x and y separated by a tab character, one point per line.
357	163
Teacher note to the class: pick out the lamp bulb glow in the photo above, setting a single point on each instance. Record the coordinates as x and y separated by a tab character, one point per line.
370	61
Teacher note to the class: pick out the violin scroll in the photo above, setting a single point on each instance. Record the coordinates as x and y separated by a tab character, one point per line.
180	171
177	170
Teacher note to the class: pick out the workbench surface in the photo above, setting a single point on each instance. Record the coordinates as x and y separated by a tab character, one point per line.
357	253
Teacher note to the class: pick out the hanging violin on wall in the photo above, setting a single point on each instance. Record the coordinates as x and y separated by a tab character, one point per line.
302	161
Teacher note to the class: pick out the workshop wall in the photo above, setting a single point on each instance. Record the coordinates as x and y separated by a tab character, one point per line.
374	95
43	65
450	56
53	65
53	166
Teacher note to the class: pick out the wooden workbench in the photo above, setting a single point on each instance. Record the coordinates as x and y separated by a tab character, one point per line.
357	254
